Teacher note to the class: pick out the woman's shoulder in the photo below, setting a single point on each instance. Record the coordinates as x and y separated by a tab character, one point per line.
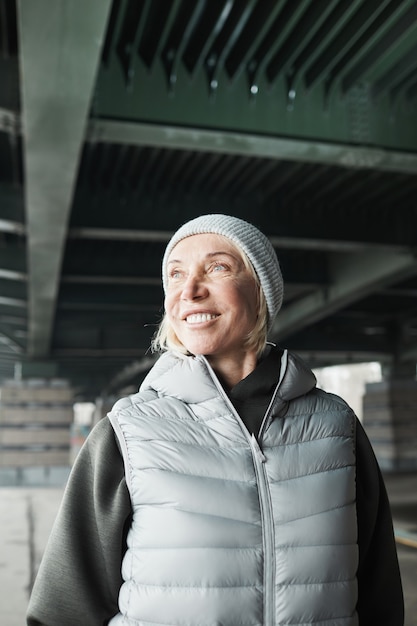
132	400
330	400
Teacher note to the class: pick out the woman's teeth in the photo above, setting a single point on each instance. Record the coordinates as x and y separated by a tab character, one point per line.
198	318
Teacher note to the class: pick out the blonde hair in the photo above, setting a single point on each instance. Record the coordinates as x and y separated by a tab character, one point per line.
165	338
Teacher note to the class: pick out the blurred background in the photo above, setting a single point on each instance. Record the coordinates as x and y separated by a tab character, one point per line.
122	119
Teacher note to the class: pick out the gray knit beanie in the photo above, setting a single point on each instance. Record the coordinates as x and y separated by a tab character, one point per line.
248	238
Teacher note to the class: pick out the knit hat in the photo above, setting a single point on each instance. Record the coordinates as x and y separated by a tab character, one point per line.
248	238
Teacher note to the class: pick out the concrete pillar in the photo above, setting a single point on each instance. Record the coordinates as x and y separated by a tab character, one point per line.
390	417
35	420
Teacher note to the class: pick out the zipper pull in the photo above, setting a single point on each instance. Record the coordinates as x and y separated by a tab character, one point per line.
257	448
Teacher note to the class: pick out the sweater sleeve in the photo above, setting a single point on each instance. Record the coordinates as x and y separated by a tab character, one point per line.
80	574
379	583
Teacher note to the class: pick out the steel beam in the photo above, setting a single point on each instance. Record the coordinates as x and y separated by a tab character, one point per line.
351	277
129	372
7	334
282	243
60	46
10	226
19	303
251	145
9	121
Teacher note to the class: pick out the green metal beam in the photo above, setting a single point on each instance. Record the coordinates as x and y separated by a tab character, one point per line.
18	303
9	121
128	373
351	278
60	46
246	144
10	226
7	333
280	242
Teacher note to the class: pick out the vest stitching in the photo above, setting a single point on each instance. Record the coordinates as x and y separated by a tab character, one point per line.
244	445
301	442
334	508
319	584
205	586
332	468
177	473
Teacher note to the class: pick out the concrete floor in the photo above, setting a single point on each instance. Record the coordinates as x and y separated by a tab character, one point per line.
26	516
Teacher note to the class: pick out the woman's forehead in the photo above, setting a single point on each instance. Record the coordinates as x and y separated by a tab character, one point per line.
204	244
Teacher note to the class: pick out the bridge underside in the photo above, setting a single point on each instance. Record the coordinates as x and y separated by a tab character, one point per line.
119	120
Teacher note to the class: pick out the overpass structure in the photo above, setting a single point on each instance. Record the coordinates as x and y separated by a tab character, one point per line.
121	119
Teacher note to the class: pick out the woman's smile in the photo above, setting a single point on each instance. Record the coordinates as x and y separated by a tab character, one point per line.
200	318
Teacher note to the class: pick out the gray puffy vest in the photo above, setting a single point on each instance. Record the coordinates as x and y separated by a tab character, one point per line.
226	531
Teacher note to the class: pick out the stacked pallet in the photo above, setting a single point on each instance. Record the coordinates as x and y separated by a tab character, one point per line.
35	421
390	420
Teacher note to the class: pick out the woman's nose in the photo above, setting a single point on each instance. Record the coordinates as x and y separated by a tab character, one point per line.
193	288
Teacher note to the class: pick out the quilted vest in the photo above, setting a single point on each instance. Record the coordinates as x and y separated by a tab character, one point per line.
227	531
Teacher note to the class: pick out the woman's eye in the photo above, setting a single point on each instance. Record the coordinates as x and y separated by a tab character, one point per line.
218	267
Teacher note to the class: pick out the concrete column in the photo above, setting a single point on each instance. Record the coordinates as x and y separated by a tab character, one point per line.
35	420
390	417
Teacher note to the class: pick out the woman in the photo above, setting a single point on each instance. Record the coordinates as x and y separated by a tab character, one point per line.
229	490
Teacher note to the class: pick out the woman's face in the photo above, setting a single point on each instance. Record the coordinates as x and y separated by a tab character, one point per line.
211	299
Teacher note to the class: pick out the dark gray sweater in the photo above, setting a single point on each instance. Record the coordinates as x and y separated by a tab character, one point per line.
80	575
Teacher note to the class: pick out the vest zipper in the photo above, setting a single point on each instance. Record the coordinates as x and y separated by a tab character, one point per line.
266	419
268	534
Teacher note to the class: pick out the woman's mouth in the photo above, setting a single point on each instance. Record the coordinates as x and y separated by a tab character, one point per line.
199	318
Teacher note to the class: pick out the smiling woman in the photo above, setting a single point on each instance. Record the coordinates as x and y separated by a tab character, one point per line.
225	261
230	489
211	304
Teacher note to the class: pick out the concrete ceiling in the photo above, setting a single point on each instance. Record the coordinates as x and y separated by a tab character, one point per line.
121	119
